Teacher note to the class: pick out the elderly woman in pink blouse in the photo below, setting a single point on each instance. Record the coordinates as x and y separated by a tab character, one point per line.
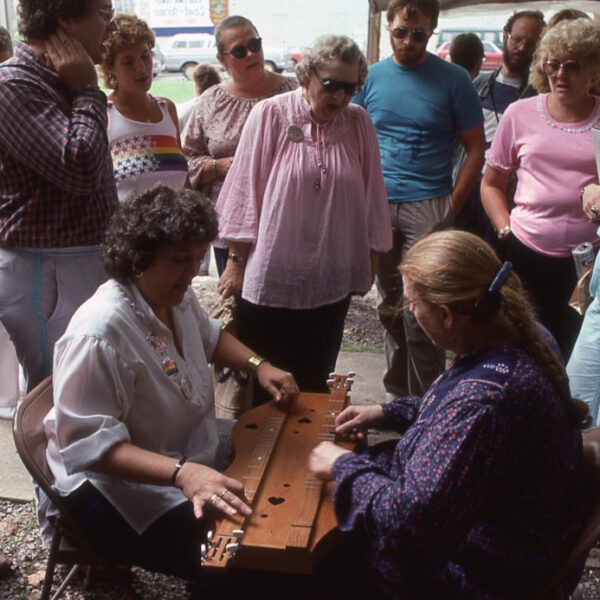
305	213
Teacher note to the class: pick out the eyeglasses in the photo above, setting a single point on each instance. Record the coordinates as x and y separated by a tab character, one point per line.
418	35
518	40
108	14
239	51
570	67
333	86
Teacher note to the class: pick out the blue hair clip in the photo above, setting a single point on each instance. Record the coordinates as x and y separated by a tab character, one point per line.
500	278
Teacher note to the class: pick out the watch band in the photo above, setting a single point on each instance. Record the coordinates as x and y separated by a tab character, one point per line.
502	233
182	461
236	259
253	363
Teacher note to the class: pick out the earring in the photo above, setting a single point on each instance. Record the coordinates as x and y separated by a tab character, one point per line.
111	80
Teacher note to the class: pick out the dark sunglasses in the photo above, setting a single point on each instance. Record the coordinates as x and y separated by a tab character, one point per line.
570	67
239	51
418	35
333	86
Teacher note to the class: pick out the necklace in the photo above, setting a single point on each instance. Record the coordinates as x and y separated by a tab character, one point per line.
133	112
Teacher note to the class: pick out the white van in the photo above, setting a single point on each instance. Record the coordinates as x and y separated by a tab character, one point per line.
185	50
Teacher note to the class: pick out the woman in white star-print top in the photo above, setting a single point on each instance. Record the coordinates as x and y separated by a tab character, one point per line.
143	130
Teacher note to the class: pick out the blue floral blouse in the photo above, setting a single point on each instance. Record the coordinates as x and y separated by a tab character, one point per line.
483	493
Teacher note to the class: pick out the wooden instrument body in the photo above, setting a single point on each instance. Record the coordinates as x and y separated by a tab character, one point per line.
293	521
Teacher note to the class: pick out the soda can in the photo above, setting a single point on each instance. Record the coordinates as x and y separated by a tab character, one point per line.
583	255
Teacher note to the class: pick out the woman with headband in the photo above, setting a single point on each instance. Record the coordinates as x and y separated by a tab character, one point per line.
482	495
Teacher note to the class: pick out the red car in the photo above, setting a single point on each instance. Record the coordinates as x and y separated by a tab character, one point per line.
493	54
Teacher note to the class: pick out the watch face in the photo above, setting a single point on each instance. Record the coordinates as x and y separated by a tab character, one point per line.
235	258
255	361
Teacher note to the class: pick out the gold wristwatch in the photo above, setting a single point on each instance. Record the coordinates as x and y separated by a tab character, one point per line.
253	363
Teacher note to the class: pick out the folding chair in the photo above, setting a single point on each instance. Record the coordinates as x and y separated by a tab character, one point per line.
560	586
30	440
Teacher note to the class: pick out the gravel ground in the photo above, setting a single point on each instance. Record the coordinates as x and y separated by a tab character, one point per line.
19	537
20	541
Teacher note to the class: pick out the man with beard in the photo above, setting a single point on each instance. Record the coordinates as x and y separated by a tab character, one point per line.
497	89
420	104
508	83
57	189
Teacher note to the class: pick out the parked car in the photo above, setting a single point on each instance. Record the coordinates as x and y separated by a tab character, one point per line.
493	54
296	56
158	61
487	35
278	59
185	50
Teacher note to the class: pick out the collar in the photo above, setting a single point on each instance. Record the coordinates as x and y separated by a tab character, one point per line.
143	310
26	58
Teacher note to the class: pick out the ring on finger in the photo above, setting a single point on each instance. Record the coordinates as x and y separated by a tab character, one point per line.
212	499
594	208
223	493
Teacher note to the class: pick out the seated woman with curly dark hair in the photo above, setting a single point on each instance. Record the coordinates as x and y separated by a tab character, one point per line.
134	444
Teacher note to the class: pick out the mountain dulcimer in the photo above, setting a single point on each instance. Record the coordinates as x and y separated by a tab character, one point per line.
293	521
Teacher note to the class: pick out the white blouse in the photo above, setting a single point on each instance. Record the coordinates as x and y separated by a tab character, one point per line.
118	377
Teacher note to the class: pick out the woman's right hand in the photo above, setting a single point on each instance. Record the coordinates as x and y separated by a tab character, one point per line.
355	419
70	60
230	282
216	168
206	488
590	202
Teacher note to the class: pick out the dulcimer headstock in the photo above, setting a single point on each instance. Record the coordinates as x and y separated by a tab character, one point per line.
341	383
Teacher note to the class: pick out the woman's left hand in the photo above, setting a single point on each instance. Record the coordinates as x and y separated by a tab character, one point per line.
322	457
230	282
208	489
280	384
591	202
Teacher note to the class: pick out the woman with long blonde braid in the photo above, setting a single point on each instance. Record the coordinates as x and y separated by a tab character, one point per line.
483	494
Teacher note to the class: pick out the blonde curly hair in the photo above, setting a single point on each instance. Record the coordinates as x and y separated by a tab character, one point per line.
129	30
579	39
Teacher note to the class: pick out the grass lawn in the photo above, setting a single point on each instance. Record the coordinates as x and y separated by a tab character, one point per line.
178	90
173	88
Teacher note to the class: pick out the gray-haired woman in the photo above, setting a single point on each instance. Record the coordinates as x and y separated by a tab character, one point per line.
305	213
